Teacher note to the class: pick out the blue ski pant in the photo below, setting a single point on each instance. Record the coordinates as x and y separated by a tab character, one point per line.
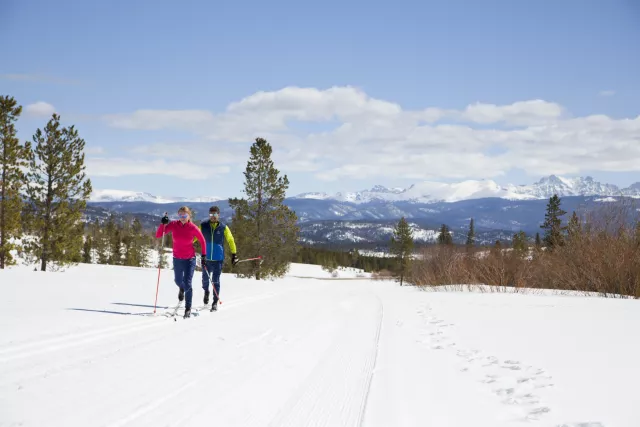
214	268
183	270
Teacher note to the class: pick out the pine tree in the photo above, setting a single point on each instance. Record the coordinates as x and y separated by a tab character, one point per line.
520	243
99	242
161	261
538	241
13	157
112	240
471	236
574	228
553	223
135	250
444	238
261	223
57	193
86	250
402	247
329	263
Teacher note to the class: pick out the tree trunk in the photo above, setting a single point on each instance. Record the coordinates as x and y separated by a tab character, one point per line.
47	223
3	229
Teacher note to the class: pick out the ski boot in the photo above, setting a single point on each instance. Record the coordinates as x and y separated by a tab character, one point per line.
206	297
214	306
187	313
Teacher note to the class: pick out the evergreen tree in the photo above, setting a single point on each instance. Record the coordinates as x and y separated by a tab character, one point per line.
161	261
57	193
13	157
471	236
86	250
76	243
574	228
444	238
402	247
135	250
553	223
520	242
329	263
99	242
112	239
261	223
354	255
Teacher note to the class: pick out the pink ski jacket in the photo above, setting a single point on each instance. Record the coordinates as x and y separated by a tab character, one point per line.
183	238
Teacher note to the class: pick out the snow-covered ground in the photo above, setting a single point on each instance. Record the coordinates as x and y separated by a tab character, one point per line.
83	348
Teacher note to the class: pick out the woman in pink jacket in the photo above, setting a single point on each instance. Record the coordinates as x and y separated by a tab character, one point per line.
184	255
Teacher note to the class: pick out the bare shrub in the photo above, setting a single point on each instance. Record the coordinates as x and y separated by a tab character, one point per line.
382	275
601	255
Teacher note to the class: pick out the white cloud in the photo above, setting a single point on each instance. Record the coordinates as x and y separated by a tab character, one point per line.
367	137
518	113
607	92
40	109
98	166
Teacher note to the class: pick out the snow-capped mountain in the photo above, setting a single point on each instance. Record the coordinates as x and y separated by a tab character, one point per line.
422	192
138	196
563	187
431	192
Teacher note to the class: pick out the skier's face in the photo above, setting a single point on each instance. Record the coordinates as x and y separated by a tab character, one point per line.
184	217
215	216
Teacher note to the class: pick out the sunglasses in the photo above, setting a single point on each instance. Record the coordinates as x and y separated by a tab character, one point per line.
214	214
183	215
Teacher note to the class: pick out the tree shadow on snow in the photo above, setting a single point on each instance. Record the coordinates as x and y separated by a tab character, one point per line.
112	312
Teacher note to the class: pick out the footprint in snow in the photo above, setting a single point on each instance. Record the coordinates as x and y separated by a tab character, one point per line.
588	424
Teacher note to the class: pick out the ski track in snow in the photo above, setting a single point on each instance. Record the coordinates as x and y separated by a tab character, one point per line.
10	353
335	393
296	352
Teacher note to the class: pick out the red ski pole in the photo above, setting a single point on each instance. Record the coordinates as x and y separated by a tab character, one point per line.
161	253
204	265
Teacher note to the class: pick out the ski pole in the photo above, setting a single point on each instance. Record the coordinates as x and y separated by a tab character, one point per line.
204	265
249	259
161	253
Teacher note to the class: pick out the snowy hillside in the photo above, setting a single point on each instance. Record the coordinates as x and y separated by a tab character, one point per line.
337	232
83	348
138	196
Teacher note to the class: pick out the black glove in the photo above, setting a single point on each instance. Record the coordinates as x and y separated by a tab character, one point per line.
203	259
234	259
165	220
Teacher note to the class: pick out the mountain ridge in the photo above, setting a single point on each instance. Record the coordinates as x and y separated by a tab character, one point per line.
421	192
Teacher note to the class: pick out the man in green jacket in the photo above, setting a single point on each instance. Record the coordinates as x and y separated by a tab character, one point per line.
215	232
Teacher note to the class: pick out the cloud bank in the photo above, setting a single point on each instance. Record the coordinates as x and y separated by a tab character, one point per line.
341	132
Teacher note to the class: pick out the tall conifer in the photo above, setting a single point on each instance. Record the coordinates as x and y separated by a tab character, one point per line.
57	193
262	225
13	157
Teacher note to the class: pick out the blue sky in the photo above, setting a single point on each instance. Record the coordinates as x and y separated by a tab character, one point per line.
99	64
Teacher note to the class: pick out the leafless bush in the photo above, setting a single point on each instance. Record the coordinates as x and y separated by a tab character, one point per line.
382	275
601	256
